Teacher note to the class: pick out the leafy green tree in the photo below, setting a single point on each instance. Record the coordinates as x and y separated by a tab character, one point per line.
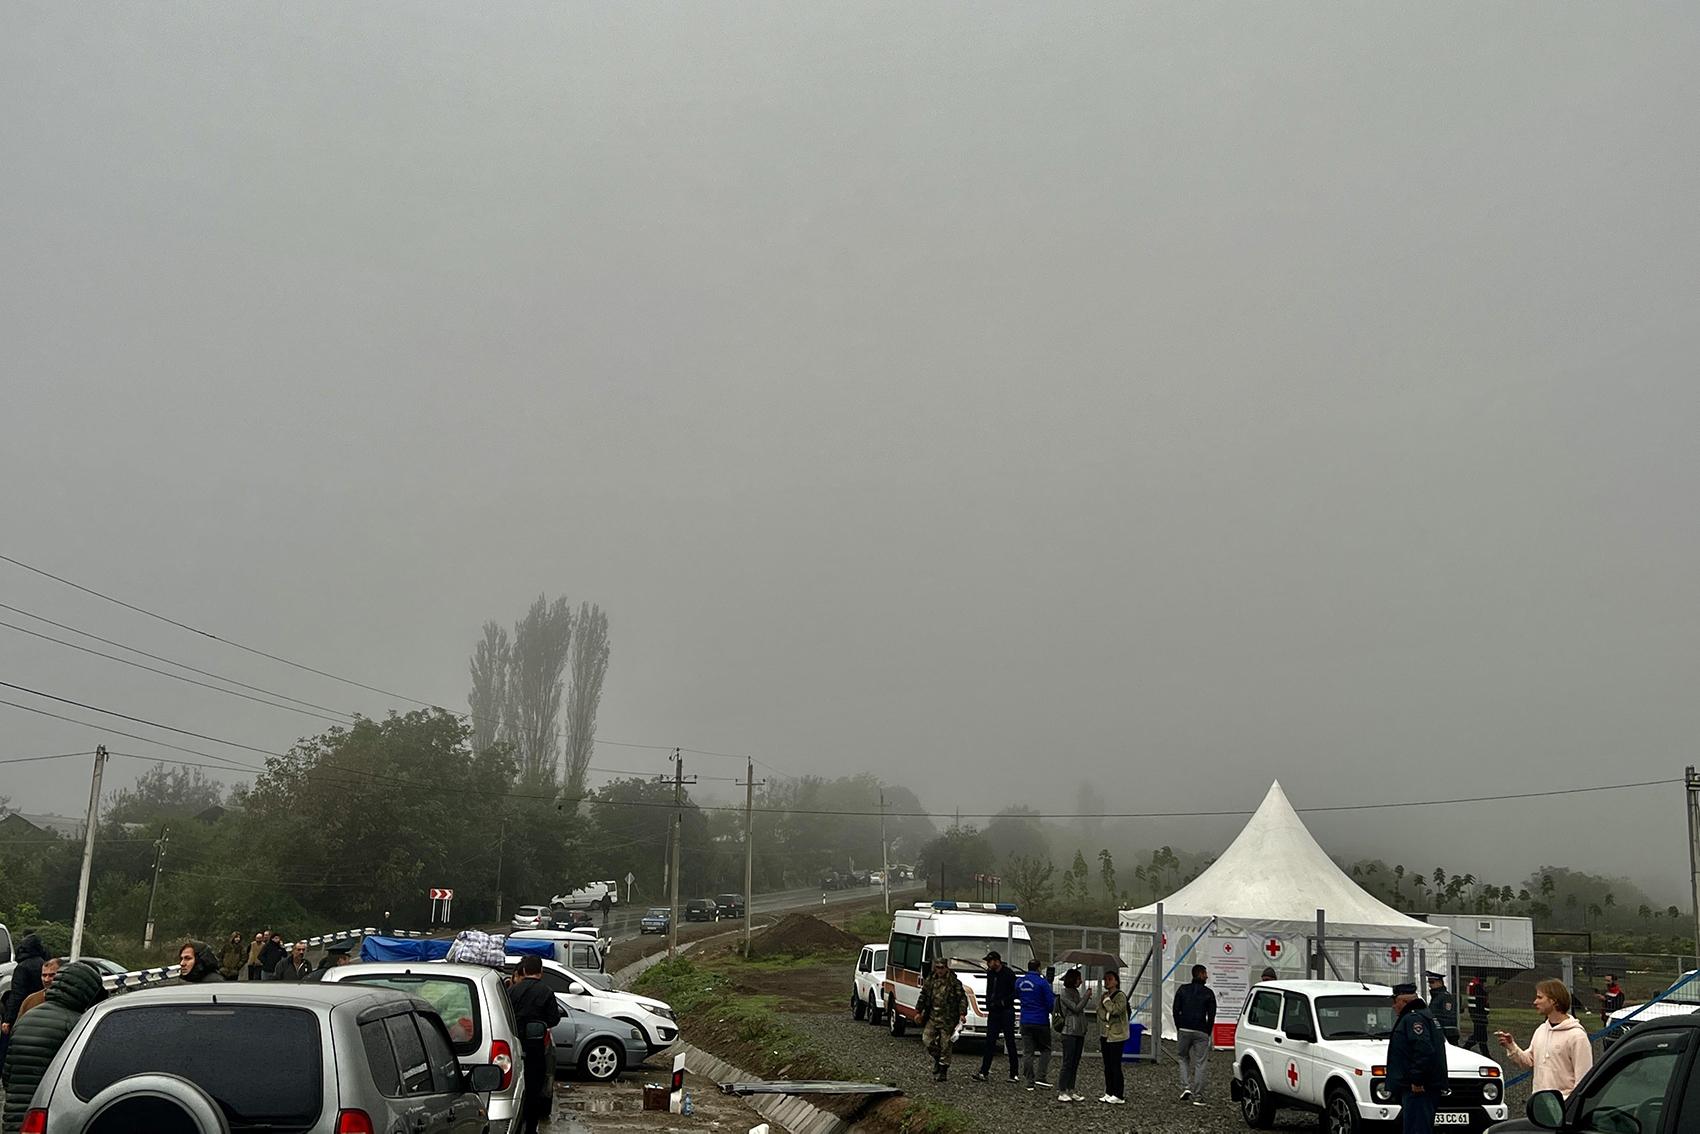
1029	881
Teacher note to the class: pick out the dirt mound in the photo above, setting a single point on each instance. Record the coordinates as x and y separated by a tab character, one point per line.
796	935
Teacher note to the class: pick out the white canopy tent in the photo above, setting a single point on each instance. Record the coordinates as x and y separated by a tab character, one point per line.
1262	896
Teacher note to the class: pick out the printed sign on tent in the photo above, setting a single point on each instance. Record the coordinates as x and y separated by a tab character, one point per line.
1229	962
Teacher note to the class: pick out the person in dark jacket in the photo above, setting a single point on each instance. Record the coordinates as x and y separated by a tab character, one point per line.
272	954
294	967
1479	1010
1416	1060
198	964
1037	1000
39	1036
1195	1024
535	1011
30	955
1000	1017
1443	1006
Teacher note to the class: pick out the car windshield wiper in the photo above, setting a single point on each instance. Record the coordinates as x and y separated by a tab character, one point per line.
1358	1035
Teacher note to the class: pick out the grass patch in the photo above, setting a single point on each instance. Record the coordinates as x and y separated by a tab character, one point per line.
744	1029
869	925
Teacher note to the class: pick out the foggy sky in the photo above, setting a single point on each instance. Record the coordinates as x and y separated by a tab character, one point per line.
1166	397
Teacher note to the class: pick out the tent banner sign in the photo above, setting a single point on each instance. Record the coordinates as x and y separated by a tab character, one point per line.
1229	961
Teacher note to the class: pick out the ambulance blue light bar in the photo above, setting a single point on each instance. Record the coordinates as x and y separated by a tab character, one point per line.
985	907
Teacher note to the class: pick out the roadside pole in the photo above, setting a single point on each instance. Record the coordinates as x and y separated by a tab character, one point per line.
158	857
885	858
749	846
1693	783
88	852
673	868
501	845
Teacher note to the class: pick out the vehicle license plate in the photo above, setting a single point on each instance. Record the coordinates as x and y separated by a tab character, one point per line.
1452	1118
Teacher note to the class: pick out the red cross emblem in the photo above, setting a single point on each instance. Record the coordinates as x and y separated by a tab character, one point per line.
1228	948
1394	954
1293	1075
1273	947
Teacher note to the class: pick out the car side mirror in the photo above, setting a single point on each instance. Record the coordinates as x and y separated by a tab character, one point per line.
485	1078
1546	1110
575	989
1300	1032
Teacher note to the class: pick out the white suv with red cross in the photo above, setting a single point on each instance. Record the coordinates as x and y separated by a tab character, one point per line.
1321	1046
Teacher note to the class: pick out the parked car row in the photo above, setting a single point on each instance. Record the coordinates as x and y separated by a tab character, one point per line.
430	1047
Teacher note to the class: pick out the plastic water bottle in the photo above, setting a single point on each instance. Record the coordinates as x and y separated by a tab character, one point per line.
685	1108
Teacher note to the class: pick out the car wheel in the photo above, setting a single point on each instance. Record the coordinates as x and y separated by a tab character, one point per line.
875	1016
601	1061
1256	1107
895	1023
1340	1116
858	1010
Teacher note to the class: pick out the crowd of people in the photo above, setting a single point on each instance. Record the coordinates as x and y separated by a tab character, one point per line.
1028	1006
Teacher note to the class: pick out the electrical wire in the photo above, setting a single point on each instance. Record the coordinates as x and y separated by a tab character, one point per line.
32	759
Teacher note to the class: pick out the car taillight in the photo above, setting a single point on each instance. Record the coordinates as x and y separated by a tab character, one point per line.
35	1121
354	1122
503	1056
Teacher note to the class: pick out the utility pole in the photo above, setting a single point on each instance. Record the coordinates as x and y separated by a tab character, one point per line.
678	833
749	847
1693	783
885	858
88	852
158	857
501	845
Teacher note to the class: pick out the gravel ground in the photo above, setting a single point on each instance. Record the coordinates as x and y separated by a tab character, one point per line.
1153	1091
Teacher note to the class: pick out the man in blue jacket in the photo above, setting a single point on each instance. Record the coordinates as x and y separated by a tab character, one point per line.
1037	1000
1195	1023
1416	1061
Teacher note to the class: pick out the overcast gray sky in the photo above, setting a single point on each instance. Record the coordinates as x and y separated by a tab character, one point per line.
995	398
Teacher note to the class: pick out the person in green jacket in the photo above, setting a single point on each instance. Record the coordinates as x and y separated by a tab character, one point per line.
38	1036
1112	1033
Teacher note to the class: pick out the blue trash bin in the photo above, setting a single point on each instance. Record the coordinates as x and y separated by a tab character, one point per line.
1131	1046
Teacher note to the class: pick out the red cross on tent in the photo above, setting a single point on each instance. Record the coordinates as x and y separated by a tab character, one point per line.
1293	1075
1394	954
1273	947
1228	947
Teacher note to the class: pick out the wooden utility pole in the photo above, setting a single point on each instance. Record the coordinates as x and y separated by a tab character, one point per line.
501	845
885	858
88	852
158	858
749	847
673	867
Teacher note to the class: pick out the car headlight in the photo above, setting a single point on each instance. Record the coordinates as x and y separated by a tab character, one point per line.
1378	1090
637	1035
664	1013
1490	1092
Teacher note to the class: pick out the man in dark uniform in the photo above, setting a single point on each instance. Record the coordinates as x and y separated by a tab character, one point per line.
1416	1061
1000	1017
1443	1006
535	1011
1478	1015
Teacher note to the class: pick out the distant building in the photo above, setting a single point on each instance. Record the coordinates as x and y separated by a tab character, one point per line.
59	826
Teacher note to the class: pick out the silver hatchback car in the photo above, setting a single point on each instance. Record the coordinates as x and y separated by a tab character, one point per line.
473	1002
313	1059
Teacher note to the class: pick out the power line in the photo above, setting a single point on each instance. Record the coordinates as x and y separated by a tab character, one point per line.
216	637
170	661
137	720
174	676
33	759
130	735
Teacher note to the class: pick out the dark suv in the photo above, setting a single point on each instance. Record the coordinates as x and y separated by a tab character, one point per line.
730	905
701	909
1648	1083
303	1058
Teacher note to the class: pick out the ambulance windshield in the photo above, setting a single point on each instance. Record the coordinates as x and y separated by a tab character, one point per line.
1354	1017
968	952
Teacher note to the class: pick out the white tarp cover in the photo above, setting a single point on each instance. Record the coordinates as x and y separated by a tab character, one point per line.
1267	886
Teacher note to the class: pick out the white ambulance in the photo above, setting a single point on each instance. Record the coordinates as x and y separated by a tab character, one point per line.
960	932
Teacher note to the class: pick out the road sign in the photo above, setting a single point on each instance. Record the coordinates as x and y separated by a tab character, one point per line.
630	878
441	895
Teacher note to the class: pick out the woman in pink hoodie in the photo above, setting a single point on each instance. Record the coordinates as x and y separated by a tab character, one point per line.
1559	1052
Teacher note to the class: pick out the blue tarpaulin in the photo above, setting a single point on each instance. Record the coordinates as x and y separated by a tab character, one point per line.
377	948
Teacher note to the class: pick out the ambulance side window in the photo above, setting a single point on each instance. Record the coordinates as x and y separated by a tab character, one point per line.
906	951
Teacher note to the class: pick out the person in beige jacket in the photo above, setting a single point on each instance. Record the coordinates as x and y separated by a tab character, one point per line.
1559	1051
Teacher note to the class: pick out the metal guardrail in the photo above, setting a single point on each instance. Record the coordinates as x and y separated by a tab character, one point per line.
143	978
